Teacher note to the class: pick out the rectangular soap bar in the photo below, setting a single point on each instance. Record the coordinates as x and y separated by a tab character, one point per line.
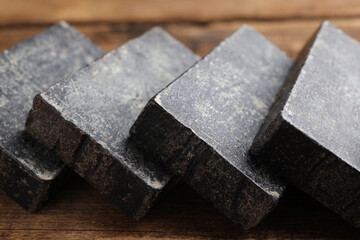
202	125
28	173
86	118
312	134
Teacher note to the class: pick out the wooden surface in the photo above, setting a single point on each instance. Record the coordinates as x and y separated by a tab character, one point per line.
40	11
80	212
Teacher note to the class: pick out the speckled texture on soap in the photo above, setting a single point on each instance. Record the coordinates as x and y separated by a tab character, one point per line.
202	125
25	70
312	135
94	109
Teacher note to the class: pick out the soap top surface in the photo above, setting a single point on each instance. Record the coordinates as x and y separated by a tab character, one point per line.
105	98
324	101
225	97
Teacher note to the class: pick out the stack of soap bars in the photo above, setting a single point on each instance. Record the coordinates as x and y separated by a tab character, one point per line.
236	125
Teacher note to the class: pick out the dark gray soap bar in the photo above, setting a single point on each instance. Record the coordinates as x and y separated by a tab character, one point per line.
86	118
28	172
312	134
202	125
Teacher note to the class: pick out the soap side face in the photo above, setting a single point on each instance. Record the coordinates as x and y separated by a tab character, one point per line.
202	125
93	110
312	139
26	69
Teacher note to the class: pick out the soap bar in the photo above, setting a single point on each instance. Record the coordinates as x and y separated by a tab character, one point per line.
86	118
202	125
28	172
312	134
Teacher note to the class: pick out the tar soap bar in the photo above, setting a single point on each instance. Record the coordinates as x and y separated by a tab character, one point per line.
202	125
86	118
312	135
28	172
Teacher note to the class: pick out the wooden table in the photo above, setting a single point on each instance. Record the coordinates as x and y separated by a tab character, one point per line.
80	212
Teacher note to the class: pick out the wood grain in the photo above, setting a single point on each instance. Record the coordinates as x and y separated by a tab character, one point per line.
39	11
81	213
289	36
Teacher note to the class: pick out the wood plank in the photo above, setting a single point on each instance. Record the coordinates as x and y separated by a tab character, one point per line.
290	36
38	11
82	212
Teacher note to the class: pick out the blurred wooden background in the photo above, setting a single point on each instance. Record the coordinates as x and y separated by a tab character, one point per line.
81	213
